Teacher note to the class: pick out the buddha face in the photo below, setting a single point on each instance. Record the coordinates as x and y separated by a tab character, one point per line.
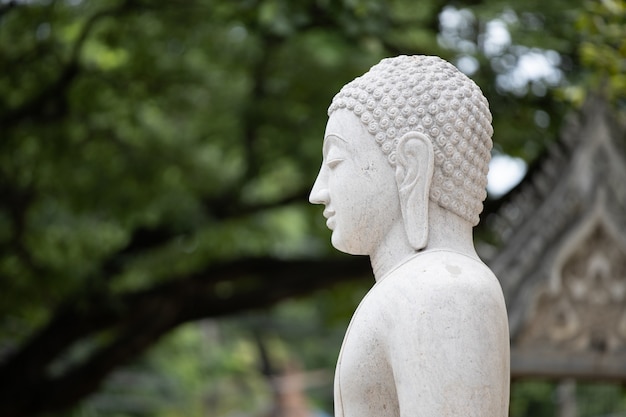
357	186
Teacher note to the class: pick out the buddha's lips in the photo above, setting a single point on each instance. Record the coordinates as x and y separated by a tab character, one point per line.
328	214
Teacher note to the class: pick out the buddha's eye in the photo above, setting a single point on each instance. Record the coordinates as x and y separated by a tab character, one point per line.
332	163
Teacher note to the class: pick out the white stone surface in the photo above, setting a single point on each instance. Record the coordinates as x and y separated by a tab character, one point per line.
403	176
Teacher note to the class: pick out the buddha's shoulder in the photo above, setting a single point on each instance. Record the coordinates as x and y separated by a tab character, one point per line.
432	291
435	278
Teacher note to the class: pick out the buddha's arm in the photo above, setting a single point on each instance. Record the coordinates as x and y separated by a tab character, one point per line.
451	357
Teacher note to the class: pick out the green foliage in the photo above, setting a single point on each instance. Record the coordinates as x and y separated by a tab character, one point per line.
533	398
602	30
600	399
200	369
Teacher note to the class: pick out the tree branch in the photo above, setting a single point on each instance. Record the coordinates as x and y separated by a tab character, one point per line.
140	318
55	92
220	208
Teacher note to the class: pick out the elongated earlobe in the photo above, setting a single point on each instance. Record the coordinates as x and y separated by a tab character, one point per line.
414	174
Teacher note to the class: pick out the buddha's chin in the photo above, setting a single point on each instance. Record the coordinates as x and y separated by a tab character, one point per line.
342	245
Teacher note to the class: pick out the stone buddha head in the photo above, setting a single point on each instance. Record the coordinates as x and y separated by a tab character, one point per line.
411	132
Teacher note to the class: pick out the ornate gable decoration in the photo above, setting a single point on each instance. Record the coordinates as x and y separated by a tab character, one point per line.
582	306
563	263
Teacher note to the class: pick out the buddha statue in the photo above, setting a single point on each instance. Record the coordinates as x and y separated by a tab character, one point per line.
403	180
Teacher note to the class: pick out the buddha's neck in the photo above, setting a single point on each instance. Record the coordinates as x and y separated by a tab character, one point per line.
446	231
392	251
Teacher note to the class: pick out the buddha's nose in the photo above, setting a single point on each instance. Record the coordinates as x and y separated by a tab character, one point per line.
319	192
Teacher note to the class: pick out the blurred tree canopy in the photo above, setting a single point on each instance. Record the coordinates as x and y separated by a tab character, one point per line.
156	157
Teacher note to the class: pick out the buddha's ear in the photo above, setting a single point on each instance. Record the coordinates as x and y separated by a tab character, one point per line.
414	173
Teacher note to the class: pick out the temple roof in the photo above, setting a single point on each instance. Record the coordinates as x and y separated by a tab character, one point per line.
562	257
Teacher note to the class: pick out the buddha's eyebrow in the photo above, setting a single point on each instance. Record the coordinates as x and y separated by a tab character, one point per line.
329	139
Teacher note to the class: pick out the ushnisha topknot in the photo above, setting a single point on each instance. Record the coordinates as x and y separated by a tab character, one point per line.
428	95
